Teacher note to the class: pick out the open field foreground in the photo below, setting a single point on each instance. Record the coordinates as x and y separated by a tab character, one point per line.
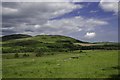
88	64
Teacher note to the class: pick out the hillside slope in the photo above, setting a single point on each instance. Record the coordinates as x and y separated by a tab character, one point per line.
14	36
41	38
40	42
49	43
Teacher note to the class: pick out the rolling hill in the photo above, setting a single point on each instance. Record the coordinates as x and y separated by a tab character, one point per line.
14	36
39	38
27	43
48	43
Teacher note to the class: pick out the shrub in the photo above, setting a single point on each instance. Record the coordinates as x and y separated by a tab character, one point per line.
25	55
16	55
52	53
39	52
81	51
38	55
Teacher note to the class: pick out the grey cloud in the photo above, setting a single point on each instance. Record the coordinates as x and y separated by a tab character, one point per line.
17	14
6	32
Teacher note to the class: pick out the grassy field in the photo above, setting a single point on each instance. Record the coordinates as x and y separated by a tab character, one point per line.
89	64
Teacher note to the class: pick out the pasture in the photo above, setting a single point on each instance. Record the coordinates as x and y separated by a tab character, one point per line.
89	64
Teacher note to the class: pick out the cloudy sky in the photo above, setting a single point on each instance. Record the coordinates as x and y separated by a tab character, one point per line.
87	21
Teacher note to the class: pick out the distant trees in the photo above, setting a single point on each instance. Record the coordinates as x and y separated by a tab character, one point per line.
100	47
17	49
58	46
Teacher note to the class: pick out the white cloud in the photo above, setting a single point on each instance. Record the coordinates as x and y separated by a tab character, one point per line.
109	0
92	11
46	9
79	29
37	26
109	6
35	13
69	25
9	11
8	28
91	23
90	35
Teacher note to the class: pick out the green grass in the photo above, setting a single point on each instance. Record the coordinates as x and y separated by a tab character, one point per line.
43	38
30	44
91	64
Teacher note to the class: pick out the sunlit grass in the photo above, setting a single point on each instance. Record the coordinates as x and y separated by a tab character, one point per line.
91	64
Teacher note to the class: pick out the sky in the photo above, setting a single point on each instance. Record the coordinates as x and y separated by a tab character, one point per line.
86	21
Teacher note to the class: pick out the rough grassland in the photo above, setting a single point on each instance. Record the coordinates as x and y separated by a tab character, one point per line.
91	64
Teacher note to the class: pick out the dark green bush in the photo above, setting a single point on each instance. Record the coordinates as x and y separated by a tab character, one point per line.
81	51
39	52
16	55
25	55
39	55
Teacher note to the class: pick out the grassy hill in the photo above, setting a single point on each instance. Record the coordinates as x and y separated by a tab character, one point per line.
26	43
42	38
20	43
14	36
